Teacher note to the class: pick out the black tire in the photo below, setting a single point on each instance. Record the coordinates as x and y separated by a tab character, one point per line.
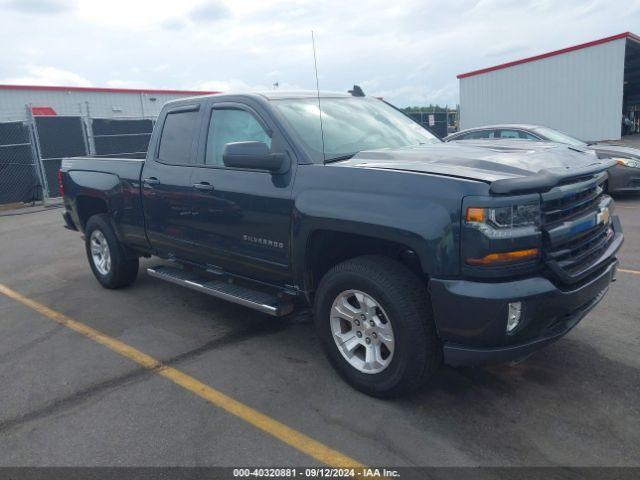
123	269
405	299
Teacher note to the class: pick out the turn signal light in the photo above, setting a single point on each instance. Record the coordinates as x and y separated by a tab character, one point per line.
506	257
476	214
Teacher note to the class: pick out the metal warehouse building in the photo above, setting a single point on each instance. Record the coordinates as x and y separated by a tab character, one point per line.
15	101
582	90
40	125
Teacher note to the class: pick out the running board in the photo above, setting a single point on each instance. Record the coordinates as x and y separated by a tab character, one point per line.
256	299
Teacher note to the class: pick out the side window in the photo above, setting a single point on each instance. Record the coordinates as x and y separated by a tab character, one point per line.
515	134
228	126
176	139
478	134
526	136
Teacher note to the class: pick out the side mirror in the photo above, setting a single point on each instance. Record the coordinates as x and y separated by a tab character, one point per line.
254	156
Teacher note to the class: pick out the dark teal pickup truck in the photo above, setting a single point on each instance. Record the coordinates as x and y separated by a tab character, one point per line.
411	252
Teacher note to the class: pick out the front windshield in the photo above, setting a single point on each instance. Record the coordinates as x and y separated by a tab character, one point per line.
556	136
350	124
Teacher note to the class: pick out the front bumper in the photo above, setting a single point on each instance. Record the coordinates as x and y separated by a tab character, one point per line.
471	316
624	179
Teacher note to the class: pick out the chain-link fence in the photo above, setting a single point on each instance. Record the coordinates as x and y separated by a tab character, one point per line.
20	175
440	121
32	150
120	137
58	137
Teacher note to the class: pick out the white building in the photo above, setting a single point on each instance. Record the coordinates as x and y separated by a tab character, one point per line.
15	101
40	125
582	90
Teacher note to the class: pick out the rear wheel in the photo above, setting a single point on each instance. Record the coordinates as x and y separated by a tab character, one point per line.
374	319
109	262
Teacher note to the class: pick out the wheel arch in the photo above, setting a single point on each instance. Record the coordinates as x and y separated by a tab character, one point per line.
94	193
326	247
88	206
423	218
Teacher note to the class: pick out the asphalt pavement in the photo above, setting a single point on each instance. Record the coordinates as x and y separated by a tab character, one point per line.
69	400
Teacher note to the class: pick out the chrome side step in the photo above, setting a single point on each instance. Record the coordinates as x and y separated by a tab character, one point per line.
256	299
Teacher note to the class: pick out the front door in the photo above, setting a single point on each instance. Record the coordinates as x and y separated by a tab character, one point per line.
243	217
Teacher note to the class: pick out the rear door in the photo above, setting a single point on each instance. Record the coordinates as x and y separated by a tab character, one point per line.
166	183
243	220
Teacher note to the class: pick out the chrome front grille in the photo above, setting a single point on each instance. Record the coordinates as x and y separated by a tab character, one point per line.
579	253
571	205
576	226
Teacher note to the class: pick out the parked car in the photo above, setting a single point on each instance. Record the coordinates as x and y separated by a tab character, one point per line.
623	177
412	252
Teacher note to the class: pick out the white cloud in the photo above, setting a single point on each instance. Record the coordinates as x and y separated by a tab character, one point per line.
210	11
128	84
43	75
409	51
139	14
420	95
225	85
174	24
39	7
235	85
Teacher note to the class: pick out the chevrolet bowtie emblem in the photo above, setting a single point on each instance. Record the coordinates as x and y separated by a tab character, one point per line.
604	216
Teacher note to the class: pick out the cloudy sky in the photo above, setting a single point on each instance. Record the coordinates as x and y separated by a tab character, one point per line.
407	51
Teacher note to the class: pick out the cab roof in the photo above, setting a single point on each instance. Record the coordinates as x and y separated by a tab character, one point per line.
267	95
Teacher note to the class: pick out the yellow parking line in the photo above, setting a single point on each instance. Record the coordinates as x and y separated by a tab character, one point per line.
635	272
282	432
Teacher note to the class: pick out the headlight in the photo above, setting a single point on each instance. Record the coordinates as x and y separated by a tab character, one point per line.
501	235
513	216
627	162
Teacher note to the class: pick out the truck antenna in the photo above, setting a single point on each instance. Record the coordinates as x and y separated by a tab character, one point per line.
315	63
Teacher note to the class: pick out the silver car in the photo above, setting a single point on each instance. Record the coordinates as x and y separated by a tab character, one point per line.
624	177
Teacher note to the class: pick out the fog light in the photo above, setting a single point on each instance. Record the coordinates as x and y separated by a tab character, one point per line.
513	317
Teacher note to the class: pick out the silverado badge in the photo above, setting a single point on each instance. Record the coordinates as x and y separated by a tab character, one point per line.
263	241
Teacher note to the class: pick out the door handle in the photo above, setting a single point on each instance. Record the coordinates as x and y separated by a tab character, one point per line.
203	187
151	181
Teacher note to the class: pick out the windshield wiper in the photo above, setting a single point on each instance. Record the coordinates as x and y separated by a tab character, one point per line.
340	158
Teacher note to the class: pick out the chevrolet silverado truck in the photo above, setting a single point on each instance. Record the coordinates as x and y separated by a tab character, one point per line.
411	252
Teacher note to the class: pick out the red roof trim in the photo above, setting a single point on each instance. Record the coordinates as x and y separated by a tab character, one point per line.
103	89
43	111
552	54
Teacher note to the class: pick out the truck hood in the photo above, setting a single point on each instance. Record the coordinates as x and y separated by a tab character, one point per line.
483	161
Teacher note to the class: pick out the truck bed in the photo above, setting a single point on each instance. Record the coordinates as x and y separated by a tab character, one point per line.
125	168
100	185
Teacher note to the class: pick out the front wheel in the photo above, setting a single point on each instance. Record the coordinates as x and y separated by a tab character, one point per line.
109	262
373	317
